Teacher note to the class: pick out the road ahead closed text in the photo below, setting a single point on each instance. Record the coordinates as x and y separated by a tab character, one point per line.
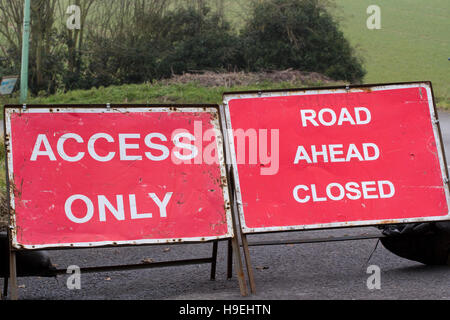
346	157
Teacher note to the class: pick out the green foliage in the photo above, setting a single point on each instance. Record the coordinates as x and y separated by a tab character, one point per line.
139	45
298	34
412	44
127	56
7	67
119	60
197	40
184	39
281	34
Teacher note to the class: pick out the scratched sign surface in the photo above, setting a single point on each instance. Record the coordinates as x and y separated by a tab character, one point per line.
337	157
127	175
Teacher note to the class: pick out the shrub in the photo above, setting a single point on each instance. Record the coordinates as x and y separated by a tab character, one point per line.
182	40
298	34
198	40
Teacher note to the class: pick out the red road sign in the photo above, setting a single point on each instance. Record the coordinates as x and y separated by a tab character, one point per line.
128	175
339	157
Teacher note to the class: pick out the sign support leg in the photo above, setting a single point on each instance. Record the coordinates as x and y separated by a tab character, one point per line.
5	287
214	260
230	260
239	267
243	239
248	263
13	274
235	248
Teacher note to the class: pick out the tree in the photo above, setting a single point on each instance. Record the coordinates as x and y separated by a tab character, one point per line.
11	24
45	48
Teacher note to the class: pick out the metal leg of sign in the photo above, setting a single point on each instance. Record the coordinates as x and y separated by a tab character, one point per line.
235	248
214	260
233	245
230	260
12	281
243	238
208	260
315	240
232	249
239	267
248	263
13	274
5	287
141	266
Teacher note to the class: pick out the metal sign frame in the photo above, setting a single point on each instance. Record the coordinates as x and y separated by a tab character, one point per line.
337	90
245	231
32	109
108	108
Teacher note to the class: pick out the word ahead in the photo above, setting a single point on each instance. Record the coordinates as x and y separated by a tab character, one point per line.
97	176
347	156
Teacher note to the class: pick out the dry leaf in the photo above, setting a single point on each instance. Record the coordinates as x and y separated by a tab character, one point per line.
147	260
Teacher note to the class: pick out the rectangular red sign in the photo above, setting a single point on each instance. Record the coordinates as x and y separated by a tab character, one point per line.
324	158
122	175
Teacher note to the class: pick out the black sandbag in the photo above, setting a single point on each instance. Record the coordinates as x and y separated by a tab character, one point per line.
427	243
29	263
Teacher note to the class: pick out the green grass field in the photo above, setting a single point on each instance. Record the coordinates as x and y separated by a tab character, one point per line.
155	93
412	44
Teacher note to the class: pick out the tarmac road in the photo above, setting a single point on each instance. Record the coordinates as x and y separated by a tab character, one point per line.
333	270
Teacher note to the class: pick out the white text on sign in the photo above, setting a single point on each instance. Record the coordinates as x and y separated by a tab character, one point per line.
117	211
368	151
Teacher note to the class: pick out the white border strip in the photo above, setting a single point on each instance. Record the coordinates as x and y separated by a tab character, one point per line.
61	109
230	96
